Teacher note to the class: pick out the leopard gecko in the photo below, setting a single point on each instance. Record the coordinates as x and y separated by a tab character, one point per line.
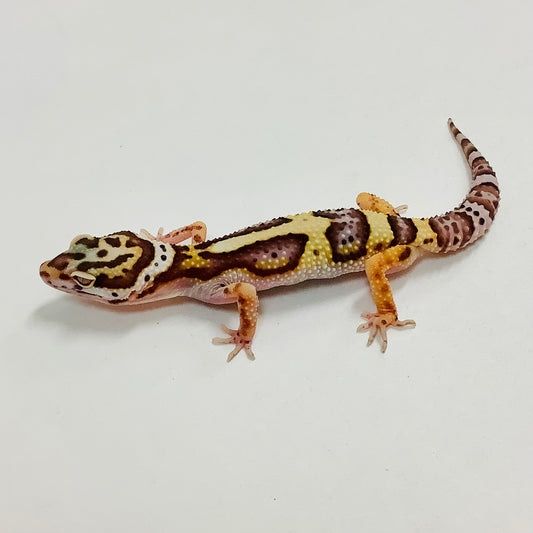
126	268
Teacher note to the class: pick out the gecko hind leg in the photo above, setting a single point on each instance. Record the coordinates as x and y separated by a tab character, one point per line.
394	259
371	202
197	232
245	295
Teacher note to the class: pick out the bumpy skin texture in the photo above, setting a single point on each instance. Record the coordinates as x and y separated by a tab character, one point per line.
125	268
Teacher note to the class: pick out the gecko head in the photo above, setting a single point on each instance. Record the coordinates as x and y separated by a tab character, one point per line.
109	268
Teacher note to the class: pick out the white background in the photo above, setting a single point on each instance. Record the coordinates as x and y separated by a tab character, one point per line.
122	115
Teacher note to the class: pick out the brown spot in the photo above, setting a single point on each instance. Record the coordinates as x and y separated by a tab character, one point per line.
101	253
427	241
45	274
88	242
113	241
64	277
316	252
378	247
405	254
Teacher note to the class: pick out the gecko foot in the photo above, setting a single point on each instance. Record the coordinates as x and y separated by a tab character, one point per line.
147	235
377	323
240	342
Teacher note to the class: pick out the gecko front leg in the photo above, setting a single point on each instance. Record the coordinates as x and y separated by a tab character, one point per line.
371	202
392	260
245	295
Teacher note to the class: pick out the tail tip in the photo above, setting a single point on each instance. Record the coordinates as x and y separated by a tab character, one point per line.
450	123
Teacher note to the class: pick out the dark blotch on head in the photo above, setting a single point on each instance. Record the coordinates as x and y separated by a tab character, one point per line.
89	242
113	241
101	253
163	258
64	276
61	261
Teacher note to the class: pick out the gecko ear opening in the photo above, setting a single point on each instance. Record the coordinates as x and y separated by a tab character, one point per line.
83	279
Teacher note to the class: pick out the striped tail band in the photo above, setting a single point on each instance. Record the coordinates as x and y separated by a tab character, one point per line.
472	219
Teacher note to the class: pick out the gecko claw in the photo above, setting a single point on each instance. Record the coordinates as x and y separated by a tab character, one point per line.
377	323
240	343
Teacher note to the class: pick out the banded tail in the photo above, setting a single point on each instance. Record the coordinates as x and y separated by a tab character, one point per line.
472	219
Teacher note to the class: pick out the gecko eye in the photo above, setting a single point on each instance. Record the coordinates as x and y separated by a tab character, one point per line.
83	279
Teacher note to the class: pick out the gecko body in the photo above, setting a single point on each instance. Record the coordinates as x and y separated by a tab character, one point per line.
126	268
